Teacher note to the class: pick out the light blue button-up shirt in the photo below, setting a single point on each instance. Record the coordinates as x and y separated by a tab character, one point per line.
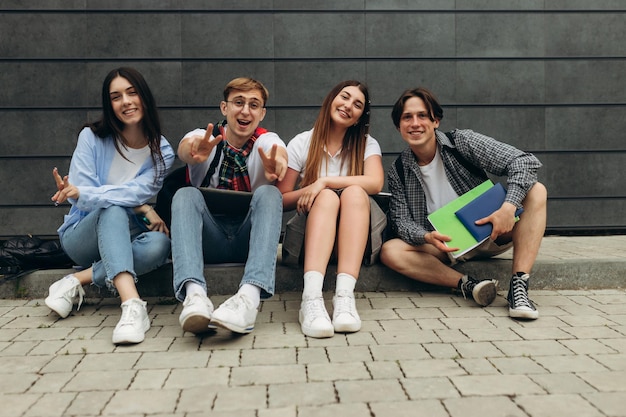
89	171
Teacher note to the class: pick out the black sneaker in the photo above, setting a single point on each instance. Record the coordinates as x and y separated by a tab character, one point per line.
520	306
483	292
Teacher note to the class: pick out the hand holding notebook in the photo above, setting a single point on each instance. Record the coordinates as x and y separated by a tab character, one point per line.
482	206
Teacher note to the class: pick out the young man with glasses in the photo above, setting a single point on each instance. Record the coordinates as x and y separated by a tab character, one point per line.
236	154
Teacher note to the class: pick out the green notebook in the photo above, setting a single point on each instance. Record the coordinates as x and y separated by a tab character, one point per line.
446	222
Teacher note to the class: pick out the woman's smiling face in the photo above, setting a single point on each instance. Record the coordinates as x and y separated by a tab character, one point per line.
125	101
347	107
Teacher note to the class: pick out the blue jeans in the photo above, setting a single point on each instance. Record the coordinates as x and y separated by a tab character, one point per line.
199	237
113	241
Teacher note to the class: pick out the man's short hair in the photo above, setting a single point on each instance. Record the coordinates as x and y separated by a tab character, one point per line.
246	84
430	101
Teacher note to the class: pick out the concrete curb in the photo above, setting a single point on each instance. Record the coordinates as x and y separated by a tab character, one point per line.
223	280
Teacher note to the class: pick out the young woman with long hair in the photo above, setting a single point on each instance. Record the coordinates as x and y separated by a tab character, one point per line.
117	167
338	165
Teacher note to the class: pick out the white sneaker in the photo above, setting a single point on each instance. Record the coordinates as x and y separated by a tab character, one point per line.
196	314
63	294
345	317
236	314
133	324
314	319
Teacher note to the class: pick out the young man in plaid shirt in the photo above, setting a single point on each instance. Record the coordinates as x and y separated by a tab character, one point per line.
435	169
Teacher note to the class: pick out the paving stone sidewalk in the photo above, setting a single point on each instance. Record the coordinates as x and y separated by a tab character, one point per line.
418	354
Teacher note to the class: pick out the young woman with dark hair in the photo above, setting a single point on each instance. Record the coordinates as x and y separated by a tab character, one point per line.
117	167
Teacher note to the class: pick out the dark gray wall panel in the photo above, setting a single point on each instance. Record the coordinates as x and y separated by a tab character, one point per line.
500	34
585	174
30	35
40	132
318	5
523	127
409	4
30	181
290	122
142	35
415	35
382	128
500	82
226	35
596	34
319	35
585	81
598	215
132	5
214	5
40	221
584	5
42	4
585	128
500	5
388	79
41	84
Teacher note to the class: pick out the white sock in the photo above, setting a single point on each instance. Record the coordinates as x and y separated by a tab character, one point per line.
313	283
345	282
252	292
194	288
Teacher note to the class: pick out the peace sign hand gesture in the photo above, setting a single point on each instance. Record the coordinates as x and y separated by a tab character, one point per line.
274	163
200	147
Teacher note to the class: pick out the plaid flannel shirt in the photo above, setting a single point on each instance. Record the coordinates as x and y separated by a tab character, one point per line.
407	207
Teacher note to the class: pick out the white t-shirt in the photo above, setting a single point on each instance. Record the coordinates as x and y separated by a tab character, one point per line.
256	172
437	188
123	170
298	151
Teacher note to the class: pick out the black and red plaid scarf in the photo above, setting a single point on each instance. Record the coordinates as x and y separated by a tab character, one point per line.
234	168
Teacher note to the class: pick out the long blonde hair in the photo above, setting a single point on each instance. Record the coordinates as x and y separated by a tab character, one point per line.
354	140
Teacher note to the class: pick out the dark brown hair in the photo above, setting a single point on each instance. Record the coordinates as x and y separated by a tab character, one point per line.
430	101
110	125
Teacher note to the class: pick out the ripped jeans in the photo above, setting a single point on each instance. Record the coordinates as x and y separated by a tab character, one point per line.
113	241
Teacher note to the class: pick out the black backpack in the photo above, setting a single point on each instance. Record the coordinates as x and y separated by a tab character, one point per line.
29	253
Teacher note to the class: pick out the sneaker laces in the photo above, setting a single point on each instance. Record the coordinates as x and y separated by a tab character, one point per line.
314	308
520	293
238	302
76	291
81	295
130	312
467	285
192	299
343	303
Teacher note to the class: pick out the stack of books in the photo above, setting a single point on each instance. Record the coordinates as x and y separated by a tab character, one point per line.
457	218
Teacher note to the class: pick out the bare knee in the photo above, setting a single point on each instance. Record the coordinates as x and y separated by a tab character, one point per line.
354	195
537	195
391	252
327	199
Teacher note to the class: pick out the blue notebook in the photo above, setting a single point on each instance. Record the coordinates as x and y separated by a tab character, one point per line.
483	206
445	221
